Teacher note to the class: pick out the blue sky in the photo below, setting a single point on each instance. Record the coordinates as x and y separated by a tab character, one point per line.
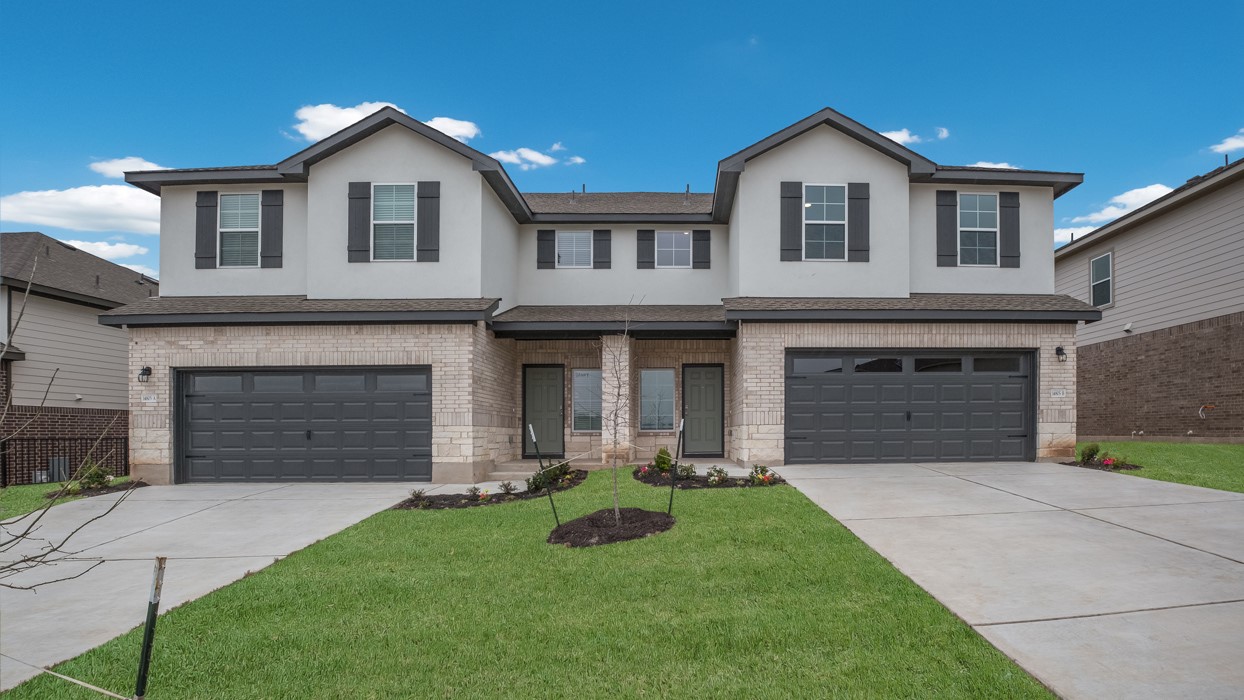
1139	96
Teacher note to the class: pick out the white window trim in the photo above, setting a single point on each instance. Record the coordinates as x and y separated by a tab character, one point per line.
600	388
997	232
1109	278
639	414
803	227
657	251
591	251
371	204
258	232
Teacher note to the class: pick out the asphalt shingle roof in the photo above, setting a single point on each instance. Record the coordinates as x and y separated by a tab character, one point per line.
293	304
916	302
617	313
619	203
68	269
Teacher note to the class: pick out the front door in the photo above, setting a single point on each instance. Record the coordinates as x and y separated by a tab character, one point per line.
703	397
544	396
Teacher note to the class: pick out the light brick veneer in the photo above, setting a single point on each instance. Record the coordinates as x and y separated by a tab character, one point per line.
758	408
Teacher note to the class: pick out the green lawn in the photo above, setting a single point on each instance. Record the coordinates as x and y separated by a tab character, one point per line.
1217	466
755	593
18	500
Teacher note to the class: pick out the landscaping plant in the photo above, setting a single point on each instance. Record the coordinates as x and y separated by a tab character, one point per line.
762	476
717	476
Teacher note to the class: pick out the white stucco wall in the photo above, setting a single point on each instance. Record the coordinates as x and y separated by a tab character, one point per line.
1035	274
499	265
821	156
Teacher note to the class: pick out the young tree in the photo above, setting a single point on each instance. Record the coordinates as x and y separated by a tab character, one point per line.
616	418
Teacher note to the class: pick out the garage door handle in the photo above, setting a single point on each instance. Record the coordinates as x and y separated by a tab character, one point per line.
909	416
308	434
1017	436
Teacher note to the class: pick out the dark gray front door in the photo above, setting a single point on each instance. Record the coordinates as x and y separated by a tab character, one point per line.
897	406
318	425
544	397
703	396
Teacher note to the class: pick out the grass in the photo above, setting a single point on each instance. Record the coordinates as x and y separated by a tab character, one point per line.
1215	466
754	593
19	500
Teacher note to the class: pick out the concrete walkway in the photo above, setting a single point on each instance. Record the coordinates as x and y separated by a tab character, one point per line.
214	534
1101	585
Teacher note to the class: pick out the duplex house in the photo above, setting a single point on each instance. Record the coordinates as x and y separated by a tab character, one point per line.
386	304
1167	358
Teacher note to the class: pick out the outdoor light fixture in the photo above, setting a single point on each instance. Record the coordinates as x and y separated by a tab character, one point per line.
145	373
1060	354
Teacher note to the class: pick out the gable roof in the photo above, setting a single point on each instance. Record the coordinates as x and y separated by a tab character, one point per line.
620	202
66	272
1195	187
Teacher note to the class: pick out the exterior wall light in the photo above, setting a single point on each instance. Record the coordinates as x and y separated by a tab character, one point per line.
144	374
1060	354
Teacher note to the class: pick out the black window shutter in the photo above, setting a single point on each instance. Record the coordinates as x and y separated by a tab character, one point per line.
646	250
701	241
546	249
1008	229
601	249
272	226
428	222
792	221
358	242
205	231
947	228
857	222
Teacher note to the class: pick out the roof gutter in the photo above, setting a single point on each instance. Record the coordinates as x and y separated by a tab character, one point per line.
890	315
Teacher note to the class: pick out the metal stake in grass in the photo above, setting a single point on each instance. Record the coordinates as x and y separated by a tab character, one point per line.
153	609
548	488
674	468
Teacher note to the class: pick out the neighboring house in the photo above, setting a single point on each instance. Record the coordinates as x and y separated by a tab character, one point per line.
63	377
1167	358
387	305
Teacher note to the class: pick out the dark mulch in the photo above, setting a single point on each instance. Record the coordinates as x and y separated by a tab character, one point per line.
1116	467
699	481
443	501
86	493
602	528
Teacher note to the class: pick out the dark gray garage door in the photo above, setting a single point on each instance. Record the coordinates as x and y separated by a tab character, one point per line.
890	406
321	425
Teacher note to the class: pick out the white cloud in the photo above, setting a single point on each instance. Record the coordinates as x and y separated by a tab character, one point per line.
943	132
457	128
1064	235
556	147
524	158
117	166
1123	203
109	251
991	164
316	122
148	271
576	160
1229	144
902	136
89	208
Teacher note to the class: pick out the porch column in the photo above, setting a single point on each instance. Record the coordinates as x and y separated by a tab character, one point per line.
615	400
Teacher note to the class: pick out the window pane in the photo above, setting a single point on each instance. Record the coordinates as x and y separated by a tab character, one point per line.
987	202
682	258
987	219
995	364
340	382
585	400
393	203
1101	268
393	242
825	241
1101	293
967	202
239	248
656	399
401	382
986	256
574	249
825	203
878	364
816	365
278	383
814	212
939	364
239	211
218	383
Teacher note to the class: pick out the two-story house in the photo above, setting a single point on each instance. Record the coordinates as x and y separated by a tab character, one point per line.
1167	358
387	305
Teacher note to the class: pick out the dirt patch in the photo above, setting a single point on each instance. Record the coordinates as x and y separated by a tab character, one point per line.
1116	467
87	493
602	528
445	501
700	481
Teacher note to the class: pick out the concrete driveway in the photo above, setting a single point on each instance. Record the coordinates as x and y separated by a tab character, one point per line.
1101	585
213	535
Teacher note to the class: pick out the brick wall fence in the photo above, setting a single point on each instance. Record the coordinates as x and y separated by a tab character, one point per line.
1157	381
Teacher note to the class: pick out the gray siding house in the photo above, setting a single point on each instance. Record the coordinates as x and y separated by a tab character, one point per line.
386	304
1167	358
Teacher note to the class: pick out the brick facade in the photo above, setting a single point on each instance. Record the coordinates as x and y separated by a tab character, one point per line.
1157	382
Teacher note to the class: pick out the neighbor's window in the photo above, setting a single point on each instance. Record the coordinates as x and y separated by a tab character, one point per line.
393	222
1102	271
673	249
239	230
585	399
656	399
825	222
978	229
574	248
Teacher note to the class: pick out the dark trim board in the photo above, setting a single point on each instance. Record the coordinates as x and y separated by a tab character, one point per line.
576	330
294	318
721	401
890	315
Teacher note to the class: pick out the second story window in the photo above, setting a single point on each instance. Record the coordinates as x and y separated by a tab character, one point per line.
825	222
239	230
1101	279
673	249
574	248
978	229
393	222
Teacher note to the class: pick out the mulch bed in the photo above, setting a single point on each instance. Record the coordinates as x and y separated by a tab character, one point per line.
1116	467
601	527
85	493
699	481
442	501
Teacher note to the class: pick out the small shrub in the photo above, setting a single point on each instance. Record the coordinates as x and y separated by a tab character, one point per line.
686	471
552	476
508	487
717	476
418	494
1089	452
73	487
484	495
93	476
663	461
473	492
762	476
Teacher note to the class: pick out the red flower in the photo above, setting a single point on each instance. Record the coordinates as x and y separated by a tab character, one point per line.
1108	461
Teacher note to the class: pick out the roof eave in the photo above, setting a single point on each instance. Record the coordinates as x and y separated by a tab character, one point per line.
592	329
889	315
622	219
1061	183
292	318
152	180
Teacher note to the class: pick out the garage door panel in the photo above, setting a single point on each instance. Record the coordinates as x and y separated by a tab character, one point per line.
863	422
231	412
924	393
893	422
952	393
893	393
863	394
355	411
